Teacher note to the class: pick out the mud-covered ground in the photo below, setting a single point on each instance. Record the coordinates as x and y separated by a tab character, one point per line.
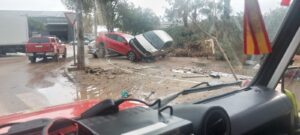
107	78
28	87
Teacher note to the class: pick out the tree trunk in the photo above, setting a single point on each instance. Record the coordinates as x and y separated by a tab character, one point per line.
95	21
100	12
185	20
107	13
227	9
185	13
80	46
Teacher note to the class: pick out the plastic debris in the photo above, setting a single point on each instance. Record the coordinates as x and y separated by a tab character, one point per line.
124	94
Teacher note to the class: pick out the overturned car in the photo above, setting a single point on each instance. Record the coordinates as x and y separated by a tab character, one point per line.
148	45
151	44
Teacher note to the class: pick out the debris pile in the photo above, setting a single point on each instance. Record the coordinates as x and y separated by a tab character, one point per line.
110	73
197	48
190	70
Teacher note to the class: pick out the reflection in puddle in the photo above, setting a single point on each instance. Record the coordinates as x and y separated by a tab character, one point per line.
61	92
91	92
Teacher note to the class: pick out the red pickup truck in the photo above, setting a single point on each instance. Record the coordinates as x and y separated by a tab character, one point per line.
44	47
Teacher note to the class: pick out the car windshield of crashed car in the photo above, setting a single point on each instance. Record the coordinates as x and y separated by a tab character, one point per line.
144	49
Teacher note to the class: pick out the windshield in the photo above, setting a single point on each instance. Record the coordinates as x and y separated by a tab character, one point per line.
206	45
128	37
39	40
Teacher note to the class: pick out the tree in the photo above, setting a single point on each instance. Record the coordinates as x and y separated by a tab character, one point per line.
197	10
135	20
106	7
179	9
80	31
35	25
273	19
87	23
87	5
108	12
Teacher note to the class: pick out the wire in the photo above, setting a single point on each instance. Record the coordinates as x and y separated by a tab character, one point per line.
120	101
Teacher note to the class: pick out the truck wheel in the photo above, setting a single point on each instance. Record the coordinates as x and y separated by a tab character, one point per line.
55	58
32	59
131	56
45	58
65	53
3	54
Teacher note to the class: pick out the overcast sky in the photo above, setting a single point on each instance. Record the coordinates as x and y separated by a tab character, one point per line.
157	6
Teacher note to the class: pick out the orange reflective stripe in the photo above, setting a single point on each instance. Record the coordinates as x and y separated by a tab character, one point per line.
256	40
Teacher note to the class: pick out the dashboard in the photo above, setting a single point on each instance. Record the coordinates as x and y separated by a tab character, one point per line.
262	111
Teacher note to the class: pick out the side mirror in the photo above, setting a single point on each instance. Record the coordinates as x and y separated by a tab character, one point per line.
125	42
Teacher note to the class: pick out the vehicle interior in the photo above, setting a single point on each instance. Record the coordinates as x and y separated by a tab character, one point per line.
264	107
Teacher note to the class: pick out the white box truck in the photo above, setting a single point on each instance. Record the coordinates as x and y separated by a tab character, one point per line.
13	33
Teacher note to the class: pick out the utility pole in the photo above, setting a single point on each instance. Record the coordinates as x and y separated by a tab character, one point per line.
80	45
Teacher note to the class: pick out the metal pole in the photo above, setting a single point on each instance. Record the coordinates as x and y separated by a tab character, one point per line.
226	58
74	52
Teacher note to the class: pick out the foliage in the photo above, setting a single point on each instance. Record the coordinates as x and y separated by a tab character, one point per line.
135	19
87	5
207	19
121	14
273	20
181	11
35	25
108	10
228	33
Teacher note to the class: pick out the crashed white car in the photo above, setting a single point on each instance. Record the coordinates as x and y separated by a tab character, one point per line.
152	43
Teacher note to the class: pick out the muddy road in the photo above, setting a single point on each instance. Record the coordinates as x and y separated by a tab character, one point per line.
27	87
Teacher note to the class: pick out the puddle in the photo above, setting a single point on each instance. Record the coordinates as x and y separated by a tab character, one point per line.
61	92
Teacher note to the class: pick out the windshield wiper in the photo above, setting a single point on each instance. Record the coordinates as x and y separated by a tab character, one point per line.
195	89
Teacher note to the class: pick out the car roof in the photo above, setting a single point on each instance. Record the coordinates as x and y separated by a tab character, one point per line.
44	37
117	33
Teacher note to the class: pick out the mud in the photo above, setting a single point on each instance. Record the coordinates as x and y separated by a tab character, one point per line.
27	87
148	81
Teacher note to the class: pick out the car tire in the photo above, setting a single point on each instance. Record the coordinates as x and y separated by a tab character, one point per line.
95	56
2	54
131	56
65	54
32	59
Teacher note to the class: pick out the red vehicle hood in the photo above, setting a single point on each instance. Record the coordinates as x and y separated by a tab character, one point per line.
71	110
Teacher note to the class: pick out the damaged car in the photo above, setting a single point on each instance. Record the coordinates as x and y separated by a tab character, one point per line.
148	45
152	44
113	43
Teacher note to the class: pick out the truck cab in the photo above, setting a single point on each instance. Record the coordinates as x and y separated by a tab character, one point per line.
44	47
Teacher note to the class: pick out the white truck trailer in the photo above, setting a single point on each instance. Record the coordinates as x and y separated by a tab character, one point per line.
13	33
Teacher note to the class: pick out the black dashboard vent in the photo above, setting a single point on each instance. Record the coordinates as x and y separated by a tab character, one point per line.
216	122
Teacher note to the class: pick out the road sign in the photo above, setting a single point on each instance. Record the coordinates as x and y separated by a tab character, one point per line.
71	17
